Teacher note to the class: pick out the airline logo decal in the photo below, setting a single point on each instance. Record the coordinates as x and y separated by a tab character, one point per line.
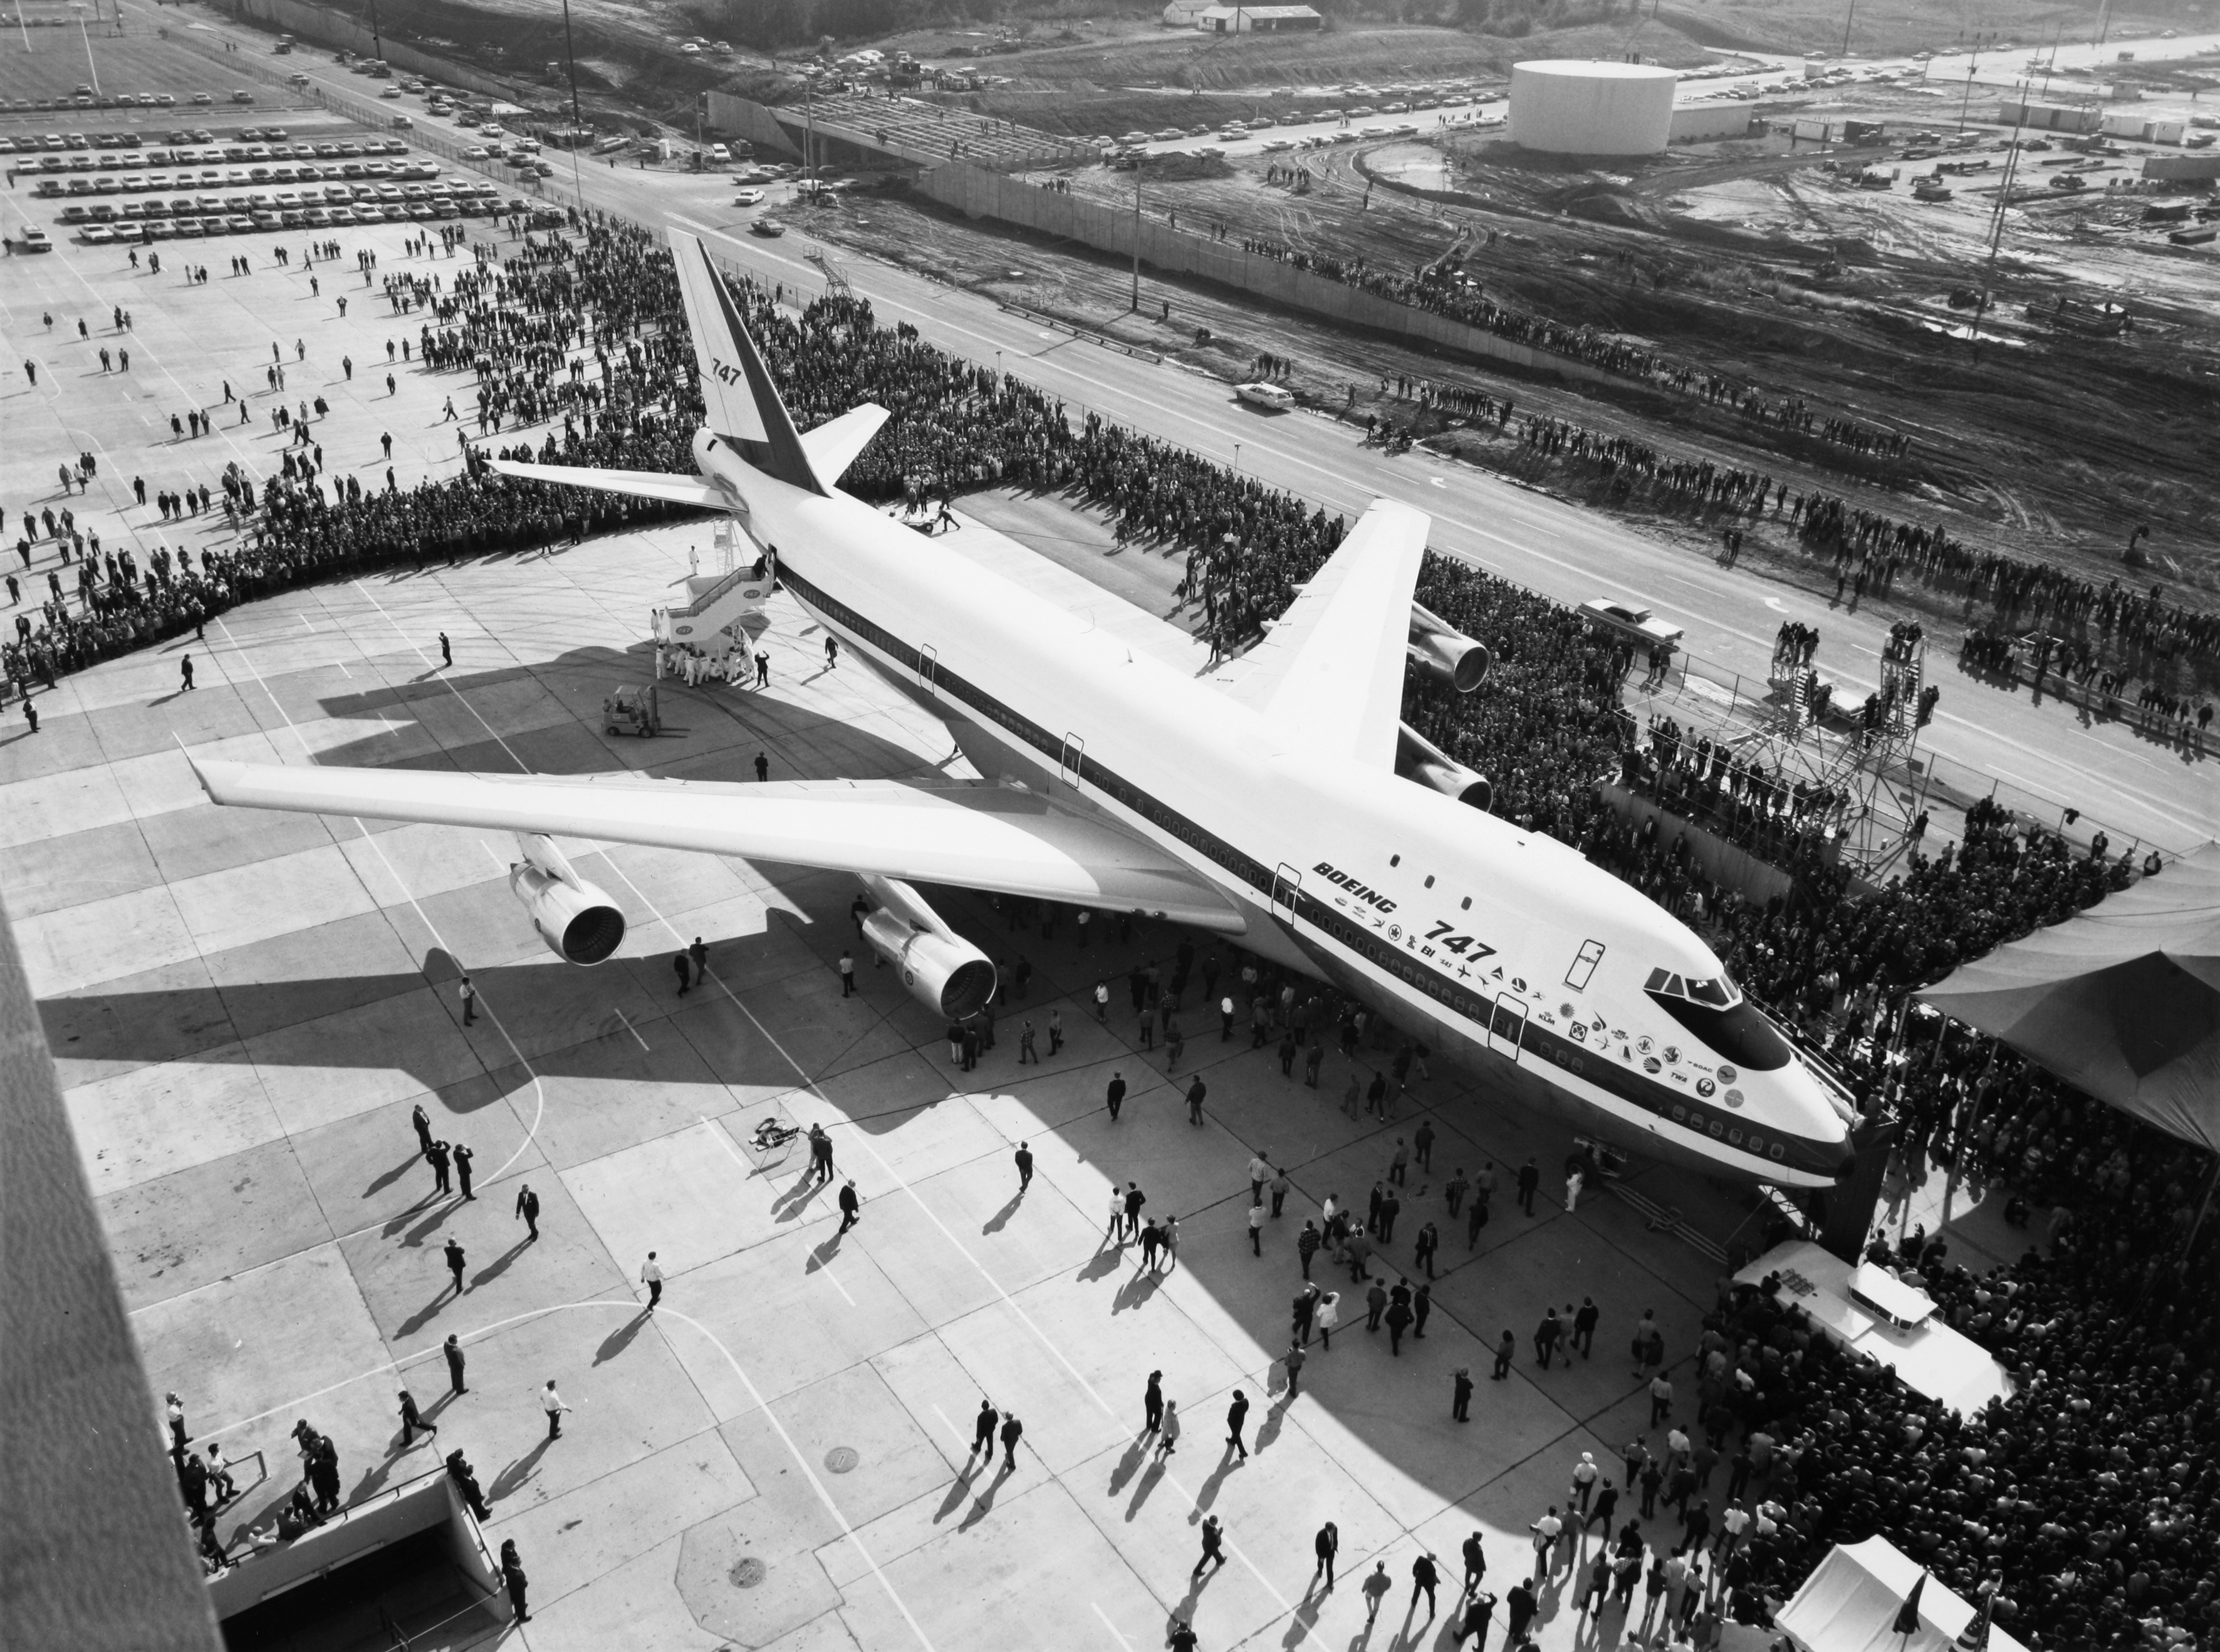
1371	897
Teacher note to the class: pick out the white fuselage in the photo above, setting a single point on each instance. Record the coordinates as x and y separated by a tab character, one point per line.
1486	942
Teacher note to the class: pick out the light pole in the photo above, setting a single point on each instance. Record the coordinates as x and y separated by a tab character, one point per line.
1852	13
91	68
377	41
577	123
1139	158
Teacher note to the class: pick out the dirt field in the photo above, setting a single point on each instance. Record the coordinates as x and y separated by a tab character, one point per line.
1749	261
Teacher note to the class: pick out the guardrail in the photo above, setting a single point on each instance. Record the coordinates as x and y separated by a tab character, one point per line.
1078	332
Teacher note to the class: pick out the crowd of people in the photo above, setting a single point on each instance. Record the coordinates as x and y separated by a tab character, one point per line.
2138	634
2088	1492
1443	287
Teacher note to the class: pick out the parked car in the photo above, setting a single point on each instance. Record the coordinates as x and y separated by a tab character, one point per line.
1631	620
748	198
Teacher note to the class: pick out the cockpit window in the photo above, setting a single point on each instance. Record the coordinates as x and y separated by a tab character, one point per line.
1715	1012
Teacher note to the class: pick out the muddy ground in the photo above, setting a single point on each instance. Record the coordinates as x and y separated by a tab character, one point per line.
2037	443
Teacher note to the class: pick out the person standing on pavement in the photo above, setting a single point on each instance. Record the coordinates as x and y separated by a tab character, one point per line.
552	1403
437	1154
1584	1326
1306	1245
1237	1419
1529	1182
1213	1546
852	1206
650	1275
1117	1095
1376	1586
1325	1546
455	1264
1024	1162
527	1207
1425	1577
1168	1430
1152	1404
982	1432
513	1580
1256	1229
1461	1395
412	1421
1012	1431
1475	1561
1293	1359
464	1159
452	1348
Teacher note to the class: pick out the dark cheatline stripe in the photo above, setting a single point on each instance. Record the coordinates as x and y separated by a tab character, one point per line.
1583	1061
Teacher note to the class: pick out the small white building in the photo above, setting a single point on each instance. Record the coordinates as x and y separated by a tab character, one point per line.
1182	14
1256	20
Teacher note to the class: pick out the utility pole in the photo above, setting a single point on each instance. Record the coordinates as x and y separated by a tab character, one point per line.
90	67
1966	102
577	124
1852	13
376	41
809	138
1997	228
1138	161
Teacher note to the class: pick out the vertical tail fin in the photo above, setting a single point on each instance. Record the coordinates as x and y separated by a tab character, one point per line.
743	405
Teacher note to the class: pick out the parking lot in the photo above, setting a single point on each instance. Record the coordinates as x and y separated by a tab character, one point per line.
145	65
92	186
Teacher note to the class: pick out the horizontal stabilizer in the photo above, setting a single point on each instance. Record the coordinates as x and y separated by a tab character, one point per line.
640	484
833	446
974	836
1332	668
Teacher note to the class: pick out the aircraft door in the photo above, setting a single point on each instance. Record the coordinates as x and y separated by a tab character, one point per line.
1507	1028
928	665
1286	885
1074	762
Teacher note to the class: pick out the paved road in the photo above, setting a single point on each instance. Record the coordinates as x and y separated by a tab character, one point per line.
2137	790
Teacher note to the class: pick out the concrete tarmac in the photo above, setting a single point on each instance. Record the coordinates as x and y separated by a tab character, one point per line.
247	1006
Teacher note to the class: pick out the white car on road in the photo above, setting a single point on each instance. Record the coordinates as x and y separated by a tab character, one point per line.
748	198
1632	621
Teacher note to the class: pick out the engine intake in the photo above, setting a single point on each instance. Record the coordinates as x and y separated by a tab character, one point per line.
1418	758
579	922
1445	653
943	972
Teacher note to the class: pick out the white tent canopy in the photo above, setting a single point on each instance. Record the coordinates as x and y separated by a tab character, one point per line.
2122	999
1850	1602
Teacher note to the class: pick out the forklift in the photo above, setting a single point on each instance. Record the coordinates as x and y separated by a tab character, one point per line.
631	710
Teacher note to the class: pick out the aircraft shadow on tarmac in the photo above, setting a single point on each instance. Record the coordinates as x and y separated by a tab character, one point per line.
699	724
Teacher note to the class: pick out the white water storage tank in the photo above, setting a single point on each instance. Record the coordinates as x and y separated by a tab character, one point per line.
1567	107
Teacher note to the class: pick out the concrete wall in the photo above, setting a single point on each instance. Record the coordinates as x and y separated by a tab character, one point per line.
318	27
1702	123
978	193
752	120
420	1504
2179	167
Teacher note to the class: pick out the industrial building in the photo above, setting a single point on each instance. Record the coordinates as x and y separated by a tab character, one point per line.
2048	117
1562	107
1256	20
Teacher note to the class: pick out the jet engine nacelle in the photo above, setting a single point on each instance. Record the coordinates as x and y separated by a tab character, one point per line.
579	922
943	972
1418	758
1442	652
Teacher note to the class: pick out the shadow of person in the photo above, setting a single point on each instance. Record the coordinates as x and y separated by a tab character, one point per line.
1274	1414
1207	1493
1100	1265
1128	1466
381	1183
1137	1290
958	1489
1150	1478
983	1504
499	1265
995	1223
619	1339
518	1474
424	1316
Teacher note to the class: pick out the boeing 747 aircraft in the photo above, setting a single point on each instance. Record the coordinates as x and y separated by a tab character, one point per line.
1287	806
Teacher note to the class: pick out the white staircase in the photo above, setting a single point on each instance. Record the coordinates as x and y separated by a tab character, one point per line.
713	617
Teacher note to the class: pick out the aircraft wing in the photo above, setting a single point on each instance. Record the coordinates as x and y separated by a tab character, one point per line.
643	484
833	447
977	835
1330	670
